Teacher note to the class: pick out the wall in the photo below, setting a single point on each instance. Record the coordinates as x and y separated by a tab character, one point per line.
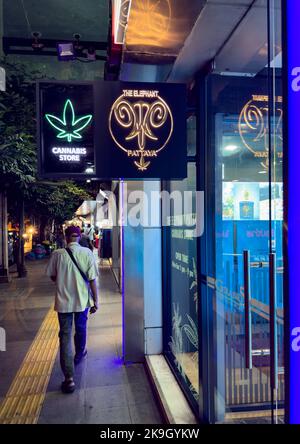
142	261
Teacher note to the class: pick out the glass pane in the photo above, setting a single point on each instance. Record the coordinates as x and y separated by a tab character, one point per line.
182	330
241	140
191	135
277	200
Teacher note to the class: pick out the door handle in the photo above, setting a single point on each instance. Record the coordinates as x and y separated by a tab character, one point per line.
273	323
248	321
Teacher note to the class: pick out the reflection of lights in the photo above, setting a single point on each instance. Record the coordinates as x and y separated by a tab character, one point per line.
253	124
262	172
89	170
88	181
231	148
156	19
65	51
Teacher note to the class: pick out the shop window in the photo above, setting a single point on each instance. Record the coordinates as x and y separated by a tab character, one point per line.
181	308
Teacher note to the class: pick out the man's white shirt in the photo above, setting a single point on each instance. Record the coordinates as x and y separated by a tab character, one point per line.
90	233
72	293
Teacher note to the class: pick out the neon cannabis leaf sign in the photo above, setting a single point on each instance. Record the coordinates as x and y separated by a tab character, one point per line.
69	127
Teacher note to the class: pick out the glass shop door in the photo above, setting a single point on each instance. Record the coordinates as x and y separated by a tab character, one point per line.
242	246
247	302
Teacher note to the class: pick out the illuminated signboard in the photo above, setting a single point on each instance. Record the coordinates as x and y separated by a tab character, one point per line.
111	130
66	136
144	129
293	211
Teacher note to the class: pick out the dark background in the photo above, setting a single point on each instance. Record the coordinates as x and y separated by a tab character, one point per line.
111	161
52	98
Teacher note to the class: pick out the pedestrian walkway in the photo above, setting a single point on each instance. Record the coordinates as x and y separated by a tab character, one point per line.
107	392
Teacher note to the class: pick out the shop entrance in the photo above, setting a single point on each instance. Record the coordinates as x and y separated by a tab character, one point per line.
247	276
245	146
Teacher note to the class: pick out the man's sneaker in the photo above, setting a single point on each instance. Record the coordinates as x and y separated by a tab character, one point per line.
68	386
78	359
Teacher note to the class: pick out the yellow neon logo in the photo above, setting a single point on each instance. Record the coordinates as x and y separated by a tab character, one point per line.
142	115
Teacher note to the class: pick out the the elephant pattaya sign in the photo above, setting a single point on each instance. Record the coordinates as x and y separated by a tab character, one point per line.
112	130
136	118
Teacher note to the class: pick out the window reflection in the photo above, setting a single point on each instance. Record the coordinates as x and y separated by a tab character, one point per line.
183	294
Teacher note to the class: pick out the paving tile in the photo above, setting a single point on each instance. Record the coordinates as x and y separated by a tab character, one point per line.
107	416
106	397
104	376
102	331
107	392
10	362
139	393
103	361
135	373
59	408
146	413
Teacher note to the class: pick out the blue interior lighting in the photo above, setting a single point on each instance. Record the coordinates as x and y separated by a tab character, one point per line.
293	65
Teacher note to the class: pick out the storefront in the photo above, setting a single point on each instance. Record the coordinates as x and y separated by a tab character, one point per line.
223	290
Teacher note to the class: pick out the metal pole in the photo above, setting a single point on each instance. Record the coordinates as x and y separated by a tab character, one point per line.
4	272
22	272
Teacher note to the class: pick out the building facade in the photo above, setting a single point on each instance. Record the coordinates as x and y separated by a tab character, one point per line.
223	290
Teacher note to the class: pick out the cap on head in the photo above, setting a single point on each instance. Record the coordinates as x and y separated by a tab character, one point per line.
72	230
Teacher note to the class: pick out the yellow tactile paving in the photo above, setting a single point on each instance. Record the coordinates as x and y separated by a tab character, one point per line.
25	397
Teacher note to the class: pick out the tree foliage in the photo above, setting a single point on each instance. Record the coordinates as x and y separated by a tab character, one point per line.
58	201
18	151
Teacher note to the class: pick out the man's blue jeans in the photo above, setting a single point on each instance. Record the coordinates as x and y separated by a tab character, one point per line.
65	339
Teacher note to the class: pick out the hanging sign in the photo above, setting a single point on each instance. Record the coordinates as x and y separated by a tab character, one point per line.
112	130
66	130
144	130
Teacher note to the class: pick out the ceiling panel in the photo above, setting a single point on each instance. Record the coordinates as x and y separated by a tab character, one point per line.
212	28
56	19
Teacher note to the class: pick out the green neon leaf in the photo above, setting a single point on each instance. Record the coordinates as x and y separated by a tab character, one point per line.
55	122
62	135
76	135
81	123
68	122
68	113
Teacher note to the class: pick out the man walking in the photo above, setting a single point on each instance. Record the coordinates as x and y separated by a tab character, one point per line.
74	271
89	232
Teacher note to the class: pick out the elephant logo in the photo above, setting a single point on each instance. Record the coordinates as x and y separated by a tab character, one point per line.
141	124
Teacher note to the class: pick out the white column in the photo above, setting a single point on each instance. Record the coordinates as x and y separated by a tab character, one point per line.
153	275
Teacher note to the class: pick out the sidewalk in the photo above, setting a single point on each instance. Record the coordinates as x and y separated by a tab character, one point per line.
107	392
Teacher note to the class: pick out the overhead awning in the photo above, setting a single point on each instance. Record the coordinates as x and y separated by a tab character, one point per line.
88	207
